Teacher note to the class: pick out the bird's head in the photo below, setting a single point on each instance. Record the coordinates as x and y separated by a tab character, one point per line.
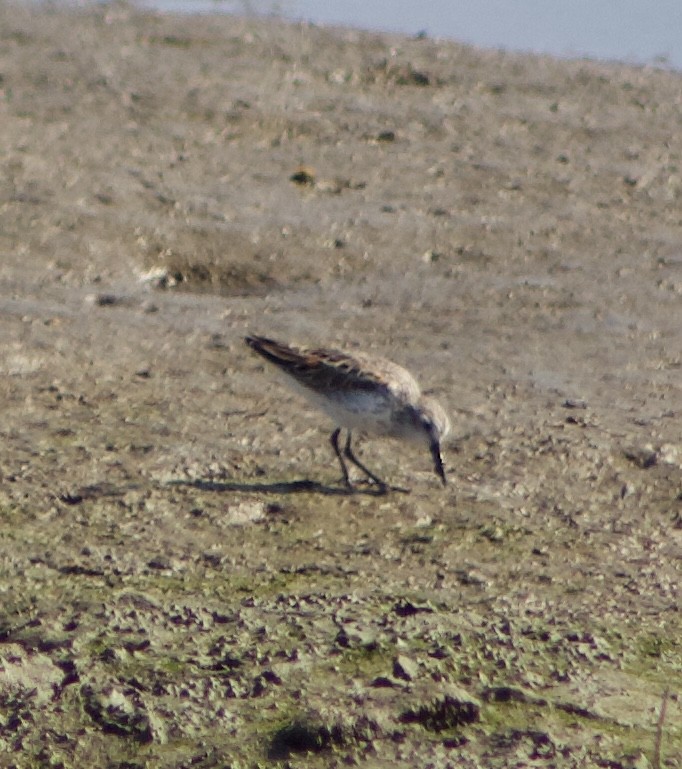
432	425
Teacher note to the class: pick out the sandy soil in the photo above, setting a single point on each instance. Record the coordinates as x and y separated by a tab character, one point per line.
183	582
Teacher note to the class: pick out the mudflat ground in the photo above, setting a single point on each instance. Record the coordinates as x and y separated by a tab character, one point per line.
182	580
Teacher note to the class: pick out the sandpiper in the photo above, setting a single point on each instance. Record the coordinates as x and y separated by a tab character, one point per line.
360	392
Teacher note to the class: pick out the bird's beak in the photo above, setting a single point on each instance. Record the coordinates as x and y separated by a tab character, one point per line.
438	461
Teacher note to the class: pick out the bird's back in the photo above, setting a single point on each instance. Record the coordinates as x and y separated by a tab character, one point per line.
328	371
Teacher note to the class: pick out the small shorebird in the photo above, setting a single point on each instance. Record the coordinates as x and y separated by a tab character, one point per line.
360	392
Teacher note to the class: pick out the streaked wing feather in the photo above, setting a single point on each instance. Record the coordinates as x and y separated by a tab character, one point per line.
323	369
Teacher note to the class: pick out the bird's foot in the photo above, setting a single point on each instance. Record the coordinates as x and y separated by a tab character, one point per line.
379	488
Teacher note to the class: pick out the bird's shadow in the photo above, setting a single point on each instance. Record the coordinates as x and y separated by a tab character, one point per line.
301	486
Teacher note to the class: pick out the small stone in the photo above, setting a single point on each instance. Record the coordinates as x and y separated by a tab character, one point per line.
405	668
636	761
303	175
642	456
441	710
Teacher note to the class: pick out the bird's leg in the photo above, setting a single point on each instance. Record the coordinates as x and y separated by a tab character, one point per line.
335	445
348	452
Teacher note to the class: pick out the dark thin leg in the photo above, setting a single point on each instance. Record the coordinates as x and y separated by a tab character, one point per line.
335	445
348	452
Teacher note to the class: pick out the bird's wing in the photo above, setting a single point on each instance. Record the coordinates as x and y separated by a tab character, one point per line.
323	370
